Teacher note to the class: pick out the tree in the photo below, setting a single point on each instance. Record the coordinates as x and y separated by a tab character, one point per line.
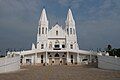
2	56
113	52
109	47
109	50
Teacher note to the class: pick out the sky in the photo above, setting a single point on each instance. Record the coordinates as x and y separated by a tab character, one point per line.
97	21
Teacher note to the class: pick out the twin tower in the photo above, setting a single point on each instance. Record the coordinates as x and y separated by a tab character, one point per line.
43	31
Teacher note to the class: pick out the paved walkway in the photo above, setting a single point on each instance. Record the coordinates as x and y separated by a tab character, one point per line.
61	73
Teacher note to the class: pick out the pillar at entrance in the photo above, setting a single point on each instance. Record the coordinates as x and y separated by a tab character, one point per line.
35	58
46	58
68	59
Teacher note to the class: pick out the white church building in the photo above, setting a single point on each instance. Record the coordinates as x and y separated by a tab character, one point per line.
55	46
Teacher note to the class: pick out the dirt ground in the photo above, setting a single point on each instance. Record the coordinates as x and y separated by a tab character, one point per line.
63	72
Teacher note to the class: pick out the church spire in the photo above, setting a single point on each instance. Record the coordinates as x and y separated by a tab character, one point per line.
43	17
70	17
70	24
43	23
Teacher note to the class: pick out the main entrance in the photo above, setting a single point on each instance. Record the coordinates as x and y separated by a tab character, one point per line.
56	59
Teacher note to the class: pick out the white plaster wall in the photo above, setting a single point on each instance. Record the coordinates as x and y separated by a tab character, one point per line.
32	57
52	32
42	40
39	57
61	42
72	40
74	57
109	62
9	64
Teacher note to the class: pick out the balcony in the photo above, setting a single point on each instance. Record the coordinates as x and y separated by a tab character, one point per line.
57	47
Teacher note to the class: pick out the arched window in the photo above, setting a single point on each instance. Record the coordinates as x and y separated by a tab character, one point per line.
42	30
71	56
56	55
70	30
42	46
57	33
46	31
72	59
63	46
71	46
50	56
41	56
39	30
63	55
67	31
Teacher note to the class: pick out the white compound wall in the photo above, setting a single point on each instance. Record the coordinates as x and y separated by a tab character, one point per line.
9	64
109	62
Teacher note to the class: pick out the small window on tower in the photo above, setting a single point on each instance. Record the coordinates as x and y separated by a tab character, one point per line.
42	30
42	46
67	31
57	33
73	31
70	30
46	31
71	46
63	46
39	31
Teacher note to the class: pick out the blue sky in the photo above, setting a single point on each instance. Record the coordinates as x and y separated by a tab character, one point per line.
97	21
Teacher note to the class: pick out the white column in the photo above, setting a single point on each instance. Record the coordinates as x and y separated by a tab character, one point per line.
46	54
90	60
46	57
35	58
23	60
78	58
68	60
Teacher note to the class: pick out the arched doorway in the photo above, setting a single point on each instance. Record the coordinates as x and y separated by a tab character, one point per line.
41	58
57	55
50	59
72	59
57	59
63	59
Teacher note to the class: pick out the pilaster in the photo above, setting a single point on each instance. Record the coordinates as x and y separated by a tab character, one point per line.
68	59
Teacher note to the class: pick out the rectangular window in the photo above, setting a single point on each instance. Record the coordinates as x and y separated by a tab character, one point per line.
42	46
42	30
28	61
71	46
70	30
